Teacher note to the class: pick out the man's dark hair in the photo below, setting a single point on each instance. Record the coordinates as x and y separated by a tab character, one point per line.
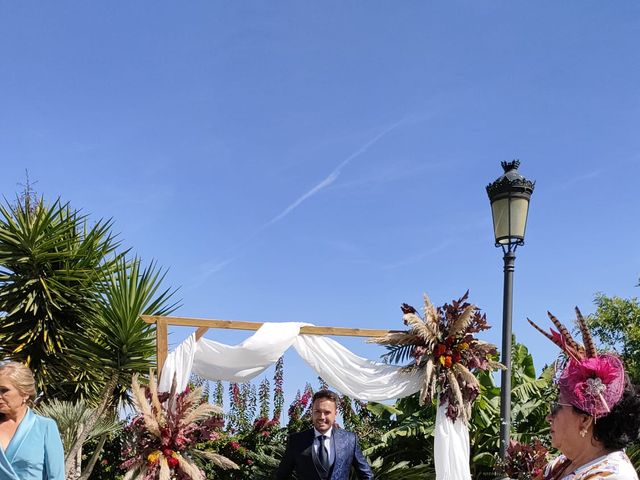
325	394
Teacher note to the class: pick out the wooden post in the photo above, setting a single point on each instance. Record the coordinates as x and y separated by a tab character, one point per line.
162	342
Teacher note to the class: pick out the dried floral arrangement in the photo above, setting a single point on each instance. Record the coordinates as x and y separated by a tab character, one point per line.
525	462
165	431
443	345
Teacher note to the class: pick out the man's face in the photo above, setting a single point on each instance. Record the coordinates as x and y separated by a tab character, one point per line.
323	414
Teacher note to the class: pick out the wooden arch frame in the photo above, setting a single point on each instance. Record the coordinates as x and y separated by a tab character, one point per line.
162	331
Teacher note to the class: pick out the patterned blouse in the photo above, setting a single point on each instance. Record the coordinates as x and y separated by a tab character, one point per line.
614	466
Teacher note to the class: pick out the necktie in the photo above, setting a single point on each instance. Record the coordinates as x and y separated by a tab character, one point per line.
323	454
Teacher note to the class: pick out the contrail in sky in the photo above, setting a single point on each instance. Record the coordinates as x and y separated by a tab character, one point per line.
211	269
331	177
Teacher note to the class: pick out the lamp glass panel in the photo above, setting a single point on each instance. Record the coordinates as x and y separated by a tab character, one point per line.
519	210
505	209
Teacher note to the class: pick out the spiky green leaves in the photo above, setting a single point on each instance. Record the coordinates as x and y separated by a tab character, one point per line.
51	266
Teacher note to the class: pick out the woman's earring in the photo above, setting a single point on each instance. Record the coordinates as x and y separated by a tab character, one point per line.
583	432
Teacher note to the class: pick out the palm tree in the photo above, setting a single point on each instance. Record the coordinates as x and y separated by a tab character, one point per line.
120	344
71	307
51	266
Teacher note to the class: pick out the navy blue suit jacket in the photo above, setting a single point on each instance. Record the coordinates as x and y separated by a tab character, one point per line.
301	457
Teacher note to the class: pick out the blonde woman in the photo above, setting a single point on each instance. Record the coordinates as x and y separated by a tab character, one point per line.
30	445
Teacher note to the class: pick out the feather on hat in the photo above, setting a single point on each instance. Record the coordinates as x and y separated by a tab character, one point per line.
590	381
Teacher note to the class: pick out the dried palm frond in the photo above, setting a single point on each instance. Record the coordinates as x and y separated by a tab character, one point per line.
129	475
457	393
462	322
418	327
396	338
190	468
430	311
495	365
202	411
165	473
464	373
172	393
217	460
431	317
153	389
141	403
428	379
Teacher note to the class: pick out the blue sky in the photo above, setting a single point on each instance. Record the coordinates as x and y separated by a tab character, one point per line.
324	162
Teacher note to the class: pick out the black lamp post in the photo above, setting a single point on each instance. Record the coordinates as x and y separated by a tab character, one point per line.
509	196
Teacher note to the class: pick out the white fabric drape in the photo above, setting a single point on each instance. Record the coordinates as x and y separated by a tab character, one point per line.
343	370
352	375
451	450
178	364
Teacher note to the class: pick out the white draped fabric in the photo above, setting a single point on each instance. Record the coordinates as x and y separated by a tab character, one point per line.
344	371
355	376
451	447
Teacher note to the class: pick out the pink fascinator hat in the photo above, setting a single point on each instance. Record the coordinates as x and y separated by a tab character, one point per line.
590	381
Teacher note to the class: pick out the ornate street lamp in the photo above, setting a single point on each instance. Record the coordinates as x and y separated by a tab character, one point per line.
509	196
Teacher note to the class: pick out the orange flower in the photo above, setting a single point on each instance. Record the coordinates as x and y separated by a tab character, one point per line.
447	361
153	456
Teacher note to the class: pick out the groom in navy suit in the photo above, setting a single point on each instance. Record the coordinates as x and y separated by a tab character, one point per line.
324	452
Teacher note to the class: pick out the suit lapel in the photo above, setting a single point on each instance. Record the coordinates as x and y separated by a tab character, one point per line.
339	447
22	433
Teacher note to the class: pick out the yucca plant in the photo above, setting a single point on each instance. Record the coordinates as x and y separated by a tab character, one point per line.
51	267
72	419
120	344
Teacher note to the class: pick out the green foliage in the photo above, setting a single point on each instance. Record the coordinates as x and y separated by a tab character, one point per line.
530	396
51	268
616	323
401	435
108	466
119	341
71	418
243	406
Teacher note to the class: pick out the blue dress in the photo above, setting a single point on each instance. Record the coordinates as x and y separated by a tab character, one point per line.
35	452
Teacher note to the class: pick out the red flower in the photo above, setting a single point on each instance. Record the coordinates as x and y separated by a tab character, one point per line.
447	361
456	357
173	462
235	445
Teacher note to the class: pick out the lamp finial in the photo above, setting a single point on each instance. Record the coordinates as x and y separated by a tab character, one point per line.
508	166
